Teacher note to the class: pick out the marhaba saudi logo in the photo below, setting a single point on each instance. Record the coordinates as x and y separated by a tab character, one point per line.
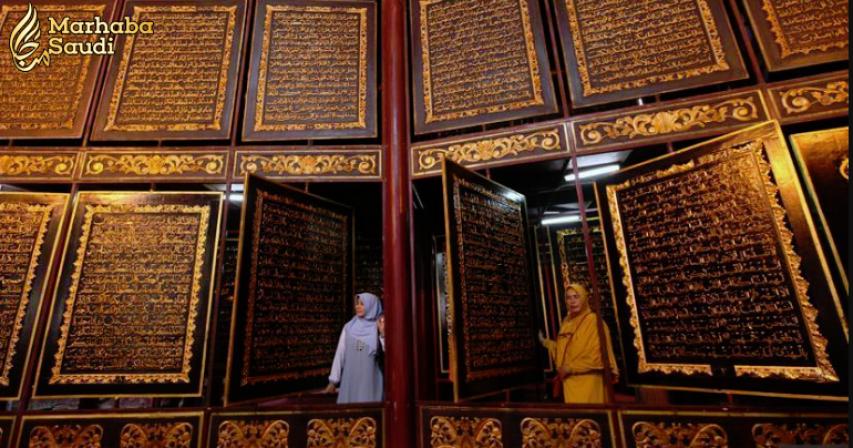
25	39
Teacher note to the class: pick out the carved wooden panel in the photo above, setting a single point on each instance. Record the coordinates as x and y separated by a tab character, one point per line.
811	99
492	340
669	122
179	81
717	428
695	239
823	158
620	50
313	71
313	428
478	62
797	33
33	165
116	430
147	165
490	150
294	281
52	99
132	303
29	226
363	164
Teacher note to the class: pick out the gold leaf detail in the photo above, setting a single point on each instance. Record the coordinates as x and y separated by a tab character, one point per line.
772	435
154	164
310	164
801	99
491	149
559	433
465	432
253	434
29	164
679	435
844	168
669	121
66	436
163	435
342	433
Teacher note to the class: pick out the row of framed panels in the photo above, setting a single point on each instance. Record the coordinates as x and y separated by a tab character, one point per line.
312	71
362	427
131	312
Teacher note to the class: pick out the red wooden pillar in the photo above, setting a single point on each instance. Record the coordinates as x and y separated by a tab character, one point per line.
399	362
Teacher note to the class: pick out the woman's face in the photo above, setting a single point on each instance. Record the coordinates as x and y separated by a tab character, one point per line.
573	301
359	308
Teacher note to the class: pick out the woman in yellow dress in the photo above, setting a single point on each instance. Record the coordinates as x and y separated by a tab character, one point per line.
577	350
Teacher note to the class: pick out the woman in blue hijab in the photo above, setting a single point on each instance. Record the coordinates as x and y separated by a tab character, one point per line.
356	368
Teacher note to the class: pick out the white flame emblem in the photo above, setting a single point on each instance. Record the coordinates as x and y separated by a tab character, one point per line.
24	42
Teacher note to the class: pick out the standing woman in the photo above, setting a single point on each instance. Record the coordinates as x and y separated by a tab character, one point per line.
357	367
577	350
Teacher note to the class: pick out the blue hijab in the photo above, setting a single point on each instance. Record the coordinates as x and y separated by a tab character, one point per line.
364	328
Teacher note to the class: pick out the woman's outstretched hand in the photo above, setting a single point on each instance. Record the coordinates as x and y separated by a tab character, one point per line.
541	338
330	389
380	324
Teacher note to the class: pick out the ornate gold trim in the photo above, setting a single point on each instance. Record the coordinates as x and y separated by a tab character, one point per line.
253	433
148	164
671	121
463	432
143	435
756	150
785	47
532	63
707	17
552	433
57	377
85	60
66	436
342	432
18	323
309	164
121	74
679	435
54	165
772	435
361	123
489	149
799	100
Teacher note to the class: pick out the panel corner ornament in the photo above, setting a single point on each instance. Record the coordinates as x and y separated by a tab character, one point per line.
464	432
679	435
253	433
556	433
799	100
342	432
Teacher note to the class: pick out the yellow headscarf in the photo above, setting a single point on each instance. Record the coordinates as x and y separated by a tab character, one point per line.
584	298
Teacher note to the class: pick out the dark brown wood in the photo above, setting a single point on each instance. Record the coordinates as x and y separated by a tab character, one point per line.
799	33
809	355
499	47
659	428
166	164
7	422
365	163
662	47
313	426
150	340
112	429
668	122
810	99
496	149
491	286
137	105
294	283
52	100
313	71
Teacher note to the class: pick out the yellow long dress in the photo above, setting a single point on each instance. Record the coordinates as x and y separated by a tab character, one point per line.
578	351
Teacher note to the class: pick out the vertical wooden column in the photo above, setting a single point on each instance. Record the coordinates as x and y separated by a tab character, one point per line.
399	362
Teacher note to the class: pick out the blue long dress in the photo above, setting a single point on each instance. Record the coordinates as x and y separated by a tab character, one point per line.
356	368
